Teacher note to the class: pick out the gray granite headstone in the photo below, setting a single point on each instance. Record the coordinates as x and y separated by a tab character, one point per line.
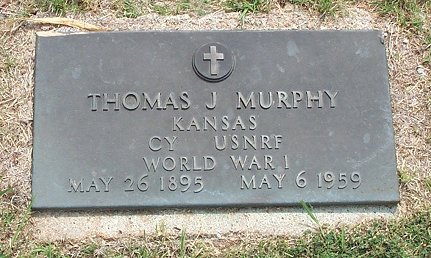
225	118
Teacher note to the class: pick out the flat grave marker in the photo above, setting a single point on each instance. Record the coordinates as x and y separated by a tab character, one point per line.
212	119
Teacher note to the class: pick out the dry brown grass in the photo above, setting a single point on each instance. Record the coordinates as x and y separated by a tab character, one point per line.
16	92
410	92
411	103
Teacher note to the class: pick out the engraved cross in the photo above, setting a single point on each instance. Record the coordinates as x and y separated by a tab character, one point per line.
213	56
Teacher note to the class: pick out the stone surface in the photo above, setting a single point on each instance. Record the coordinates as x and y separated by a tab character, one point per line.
92	152
219	223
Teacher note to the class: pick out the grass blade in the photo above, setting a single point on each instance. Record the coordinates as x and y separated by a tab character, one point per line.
309	210
183	244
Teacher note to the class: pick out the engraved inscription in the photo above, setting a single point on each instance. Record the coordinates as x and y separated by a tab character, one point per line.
340	180
139	101
286	100
213	102
193	163
235	142
214	123
182	101
89	185
240	141
156	143
262	182
182	183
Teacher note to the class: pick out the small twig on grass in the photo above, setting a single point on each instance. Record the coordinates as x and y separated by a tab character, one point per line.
14	24
66	22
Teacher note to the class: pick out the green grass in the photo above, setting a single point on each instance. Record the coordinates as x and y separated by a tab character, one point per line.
244	7
162	9
6	216
8	64
24	219
199	7
47	250
6	191
324	7
428	38
60	7
133	9
409	237
428	184
408	13
413	15
12	224
405	175
90	249
129	9
7	61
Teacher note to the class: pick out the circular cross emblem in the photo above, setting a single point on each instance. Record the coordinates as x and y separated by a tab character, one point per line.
213	62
